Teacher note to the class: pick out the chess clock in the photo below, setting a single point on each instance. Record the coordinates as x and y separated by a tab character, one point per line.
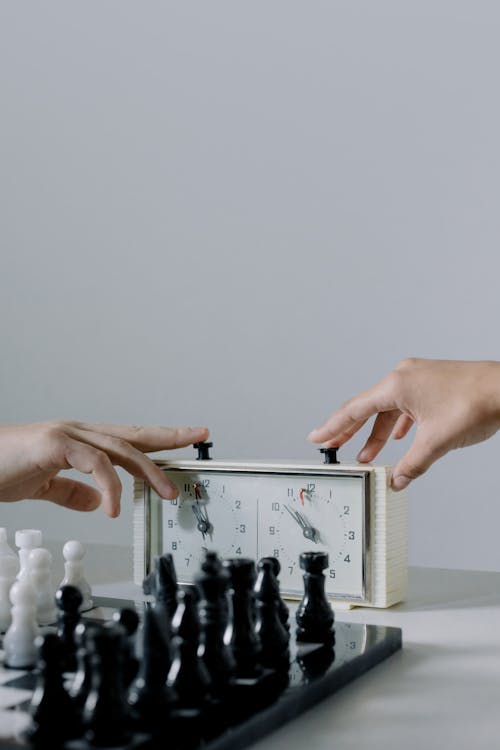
262	508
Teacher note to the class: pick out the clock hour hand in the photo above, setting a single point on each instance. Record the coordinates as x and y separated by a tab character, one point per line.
308	531
202	520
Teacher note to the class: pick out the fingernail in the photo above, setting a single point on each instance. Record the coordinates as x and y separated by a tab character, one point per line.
363	455
400	482
313	434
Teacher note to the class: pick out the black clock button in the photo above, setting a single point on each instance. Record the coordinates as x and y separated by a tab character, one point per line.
329	455
203	451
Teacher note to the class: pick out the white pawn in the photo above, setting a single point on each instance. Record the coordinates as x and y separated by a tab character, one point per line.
74	553
19	640
40	561
26	540
8	571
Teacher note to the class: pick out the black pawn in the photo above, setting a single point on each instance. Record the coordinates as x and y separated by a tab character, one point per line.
314	615
274	637
106	712
83	677
128	620
240	633
150	698
55	716
68	601
284	613
212	583
187	676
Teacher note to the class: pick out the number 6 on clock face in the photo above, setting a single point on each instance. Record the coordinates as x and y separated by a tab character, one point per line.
280	510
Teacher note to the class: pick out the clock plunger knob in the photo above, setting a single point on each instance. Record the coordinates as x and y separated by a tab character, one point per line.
203	451
314	562
329	455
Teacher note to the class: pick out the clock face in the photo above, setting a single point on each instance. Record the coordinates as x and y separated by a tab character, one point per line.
297	514
269	514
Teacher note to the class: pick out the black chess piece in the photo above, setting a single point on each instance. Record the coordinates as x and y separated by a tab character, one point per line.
188	675
274	636
68	601
161	582
314	615
106	713
212	583
150	698
83	677
165	589
240	633
55	716
284	613
128	620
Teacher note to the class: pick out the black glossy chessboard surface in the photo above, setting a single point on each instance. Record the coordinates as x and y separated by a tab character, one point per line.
315	673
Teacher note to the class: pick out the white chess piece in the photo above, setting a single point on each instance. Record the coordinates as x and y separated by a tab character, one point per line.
5	549
19	640
8	571
26	540
40	561
74	553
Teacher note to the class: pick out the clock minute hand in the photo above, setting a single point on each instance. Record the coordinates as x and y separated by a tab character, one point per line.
308	531
203	523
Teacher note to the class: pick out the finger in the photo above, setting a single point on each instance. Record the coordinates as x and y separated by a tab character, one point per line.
345	422
70	494
150	438
132	460
423	452
90	460
402	427
379	435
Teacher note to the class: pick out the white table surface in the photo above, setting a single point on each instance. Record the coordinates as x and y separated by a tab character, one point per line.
441	691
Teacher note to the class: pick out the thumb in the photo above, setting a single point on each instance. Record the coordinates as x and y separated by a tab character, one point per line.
423	452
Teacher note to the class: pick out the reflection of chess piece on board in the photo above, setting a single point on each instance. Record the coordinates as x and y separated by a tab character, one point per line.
314	615
315	663
73	553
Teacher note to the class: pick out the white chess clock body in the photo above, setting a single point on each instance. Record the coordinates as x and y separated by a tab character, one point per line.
280	509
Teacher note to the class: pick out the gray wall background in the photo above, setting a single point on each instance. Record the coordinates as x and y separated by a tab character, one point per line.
240	214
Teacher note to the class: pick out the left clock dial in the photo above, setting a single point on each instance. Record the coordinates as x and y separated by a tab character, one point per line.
206	517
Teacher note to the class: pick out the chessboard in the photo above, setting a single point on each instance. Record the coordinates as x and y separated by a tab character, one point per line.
215	666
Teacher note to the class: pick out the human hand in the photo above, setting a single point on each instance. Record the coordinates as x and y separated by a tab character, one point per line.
452	403
32	455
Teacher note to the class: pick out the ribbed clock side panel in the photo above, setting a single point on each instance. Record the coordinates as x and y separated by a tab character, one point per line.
139	532
389	526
